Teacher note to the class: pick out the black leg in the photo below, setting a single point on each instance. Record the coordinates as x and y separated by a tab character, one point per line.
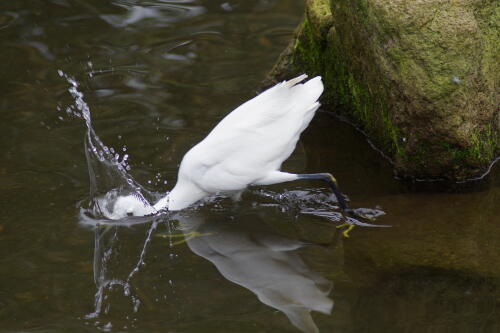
327	177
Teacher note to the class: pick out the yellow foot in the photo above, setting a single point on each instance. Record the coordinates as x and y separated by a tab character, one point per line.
187	236
346	231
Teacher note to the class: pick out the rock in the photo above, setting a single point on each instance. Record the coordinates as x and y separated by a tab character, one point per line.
419	77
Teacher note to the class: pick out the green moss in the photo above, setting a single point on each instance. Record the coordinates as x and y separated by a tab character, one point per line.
490	40
483	148
320	15
484	145
345	89
412	76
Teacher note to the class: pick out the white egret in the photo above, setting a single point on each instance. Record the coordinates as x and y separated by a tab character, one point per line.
249	145
246	148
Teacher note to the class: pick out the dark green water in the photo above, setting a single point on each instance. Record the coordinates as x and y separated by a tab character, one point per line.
157	76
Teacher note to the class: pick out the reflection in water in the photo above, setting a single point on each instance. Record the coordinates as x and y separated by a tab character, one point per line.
160	14
266	264
259	260
105	248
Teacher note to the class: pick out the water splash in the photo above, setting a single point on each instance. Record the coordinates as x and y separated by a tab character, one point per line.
103	257
111	186
112	191
142	256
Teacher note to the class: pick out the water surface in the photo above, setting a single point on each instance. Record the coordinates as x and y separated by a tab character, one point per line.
157	76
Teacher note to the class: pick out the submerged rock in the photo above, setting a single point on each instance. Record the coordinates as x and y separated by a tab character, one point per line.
419	77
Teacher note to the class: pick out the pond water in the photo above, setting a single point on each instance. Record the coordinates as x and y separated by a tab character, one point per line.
156	76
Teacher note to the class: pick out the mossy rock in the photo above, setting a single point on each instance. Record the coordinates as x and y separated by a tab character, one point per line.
419	77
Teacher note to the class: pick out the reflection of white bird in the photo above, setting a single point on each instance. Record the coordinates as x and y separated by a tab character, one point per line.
249	145
264	263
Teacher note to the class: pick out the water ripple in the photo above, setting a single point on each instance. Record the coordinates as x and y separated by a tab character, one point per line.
155	14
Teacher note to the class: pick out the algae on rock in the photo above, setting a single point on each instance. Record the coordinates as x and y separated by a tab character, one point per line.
419	77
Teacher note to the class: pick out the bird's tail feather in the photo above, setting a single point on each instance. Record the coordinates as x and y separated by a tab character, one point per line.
292	82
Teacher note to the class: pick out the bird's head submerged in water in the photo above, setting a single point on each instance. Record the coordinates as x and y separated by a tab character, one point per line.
129	205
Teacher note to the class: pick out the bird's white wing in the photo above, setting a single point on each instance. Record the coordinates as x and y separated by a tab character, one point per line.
255	138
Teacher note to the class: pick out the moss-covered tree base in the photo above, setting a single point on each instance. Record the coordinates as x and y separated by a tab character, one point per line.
419	77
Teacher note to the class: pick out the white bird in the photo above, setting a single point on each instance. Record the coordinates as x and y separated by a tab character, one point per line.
247	147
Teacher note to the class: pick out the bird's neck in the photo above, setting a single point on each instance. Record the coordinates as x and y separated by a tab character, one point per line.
182	195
